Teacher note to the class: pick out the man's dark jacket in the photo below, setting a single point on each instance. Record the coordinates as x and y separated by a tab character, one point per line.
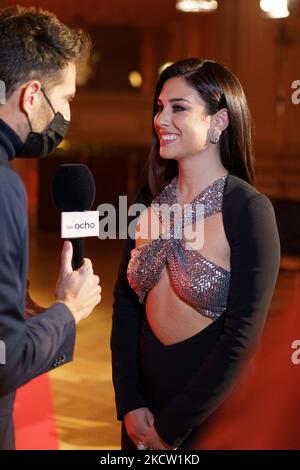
43	342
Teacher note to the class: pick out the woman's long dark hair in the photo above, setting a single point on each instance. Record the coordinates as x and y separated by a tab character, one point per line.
219	88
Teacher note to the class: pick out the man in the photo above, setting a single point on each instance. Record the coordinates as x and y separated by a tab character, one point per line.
38	57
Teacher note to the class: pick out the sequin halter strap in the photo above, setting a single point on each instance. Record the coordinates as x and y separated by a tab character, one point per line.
198	281
206	203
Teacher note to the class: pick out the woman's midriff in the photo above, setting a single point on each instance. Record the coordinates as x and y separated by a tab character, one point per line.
170	318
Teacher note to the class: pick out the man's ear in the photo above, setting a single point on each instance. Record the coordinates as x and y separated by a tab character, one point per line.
221	119
30	96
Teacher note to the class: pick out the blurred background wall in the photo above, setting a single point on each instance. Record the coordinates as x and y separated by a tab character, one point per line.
111	115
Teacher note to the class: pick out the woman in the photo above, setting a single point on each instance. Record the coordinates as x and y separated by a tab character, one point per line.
186	316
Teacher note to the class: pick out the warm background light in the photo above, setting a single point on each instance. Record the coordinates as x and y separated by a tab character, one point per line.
65	145
275	8
196	6
135	79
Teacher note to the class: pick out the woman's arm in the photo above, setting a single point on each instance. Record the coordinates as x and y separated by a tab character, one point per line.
255	260
127	315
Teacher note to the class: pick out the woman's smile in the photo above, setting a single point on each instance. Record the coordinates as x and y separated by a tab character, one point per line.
167	138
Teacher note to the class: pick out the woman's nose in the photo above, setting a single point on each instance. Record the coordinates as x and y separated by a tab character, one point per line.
162	119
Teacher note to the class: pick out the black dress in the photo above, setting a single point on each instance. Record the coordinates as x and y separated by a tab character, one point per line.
184	383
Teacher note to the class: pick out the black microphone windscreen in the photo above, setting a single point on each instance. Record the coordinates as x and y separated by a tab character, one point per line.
73	188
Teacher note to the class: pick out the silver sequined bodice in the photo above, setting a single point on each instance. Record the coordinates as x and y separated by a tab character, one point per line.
198	281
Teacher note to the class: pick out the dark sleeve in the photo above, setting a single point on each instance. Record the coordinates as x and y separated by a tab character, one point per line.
37	345
255	259
49	343
127	314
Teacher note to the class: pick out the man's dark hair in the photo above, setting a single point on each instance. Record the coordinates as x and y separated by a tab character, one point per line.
34	44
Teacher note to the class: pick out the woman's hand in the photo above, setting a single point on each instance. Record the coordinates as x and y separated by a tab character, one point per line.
154	442
137	423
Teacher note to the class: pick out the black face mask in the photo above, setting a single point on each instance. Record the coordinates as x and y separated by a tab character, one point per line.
41	144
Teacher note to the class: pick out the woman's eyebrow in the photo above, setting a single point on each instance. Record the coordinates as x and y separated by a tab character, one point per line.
175	99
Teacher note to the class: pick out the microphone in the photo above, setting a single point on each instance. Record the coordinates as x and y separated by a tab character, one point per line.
73	190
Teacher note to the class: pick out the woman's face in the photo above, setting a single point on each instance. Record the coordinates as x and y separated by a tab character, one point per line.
182	122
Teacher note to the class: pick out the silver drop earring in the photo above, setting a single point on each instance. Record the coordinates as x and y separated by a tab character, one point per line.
214	135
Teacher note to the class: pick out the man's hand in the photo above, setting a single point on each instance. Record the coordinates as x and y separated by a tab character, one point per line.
80	289
137	423
153	441
31	307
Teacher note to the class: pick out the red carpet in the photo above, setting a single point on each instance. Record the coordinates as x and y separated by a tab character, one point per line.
34	416
263	412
